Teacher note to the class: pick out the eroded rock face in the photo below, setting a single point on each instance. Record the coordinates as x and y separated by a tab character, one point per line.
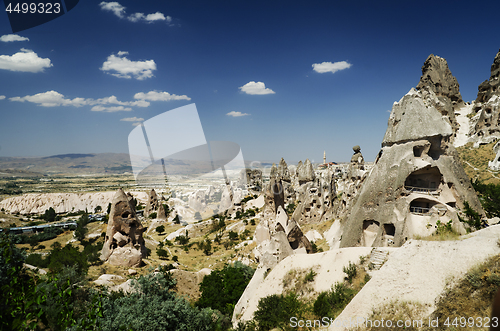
485	124
124	244
417	180
440	88
357	157
152	204
437	76
305	172
490	87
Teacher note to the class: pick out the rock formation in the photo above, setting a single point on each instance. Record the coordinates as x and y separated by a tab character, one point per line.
417	179
486	122
161	213
124	244
305	172
440	88
357	157
253	179
38	203
152	204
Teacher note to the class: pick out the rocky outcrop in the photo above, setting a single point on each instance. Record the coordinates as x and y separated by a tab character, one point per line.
162	216
417	180
305	172
152	204
38	203
251	179
357	157
486	121
124	244
282	172
490	87
440	88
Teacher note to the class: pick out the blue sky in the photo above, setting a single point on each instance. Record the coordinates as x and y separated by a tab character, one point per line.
310	76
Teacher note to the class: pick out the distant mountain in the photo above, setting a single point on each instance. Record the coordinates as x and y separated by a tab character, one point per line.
104	163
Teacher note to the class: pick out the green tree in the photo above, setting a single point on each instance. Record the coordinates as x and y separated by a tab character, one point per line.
81	227
222	288
97	209
274	311
49	215
66	257
160	229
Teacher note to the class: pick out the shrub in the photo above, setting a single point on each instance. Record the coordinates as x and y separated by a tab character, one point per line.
222	288
175	258
152	215
66	257
309	277
351	272
274	311
233	235
81	227
160	229
334	300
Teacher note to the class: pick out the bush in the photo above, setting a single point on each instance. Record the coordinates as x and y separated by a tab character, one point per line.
158	306
351	272
160	229
81	227
66	257
152	215
274	311
222	288
334	300
233	235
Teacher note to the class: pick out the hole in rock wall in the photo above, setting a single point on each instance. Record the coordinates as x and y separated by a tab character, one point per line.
370	231
421	206
390	229
426	179
436	150
418	150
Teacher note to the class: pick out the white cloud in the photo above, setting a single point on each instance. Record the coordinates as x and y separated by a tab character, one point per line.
125	68
256	88
2	97
51	99
113	100
120	53
114	7
26	60
119	11
132	119
236	114
159	96
12	37
54	99
110	109
331	67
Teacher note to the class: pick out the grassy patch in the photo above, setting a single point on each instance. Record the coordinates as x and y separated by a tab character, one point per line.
478	158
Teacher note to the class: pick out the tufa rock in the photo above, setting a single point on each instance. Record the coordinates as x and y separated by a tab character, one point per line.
124	244
283	172
161	213
152	204
440	88
357	157
490	87
305	172
486	122
437	77
417	180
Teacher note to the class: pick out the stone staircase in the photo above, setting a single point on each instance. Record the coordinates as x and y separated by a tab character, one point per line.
377	258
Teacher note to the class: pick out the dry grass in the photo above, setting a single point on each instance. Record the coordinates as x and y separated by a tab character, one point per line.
478	158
